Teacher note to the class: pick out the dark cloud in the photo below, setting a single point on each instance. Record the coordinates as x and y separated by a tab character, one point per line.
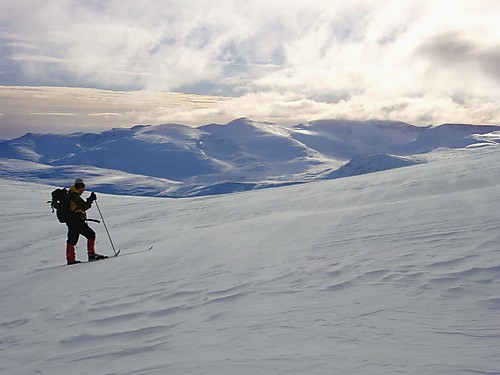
448	48
457	51
489	60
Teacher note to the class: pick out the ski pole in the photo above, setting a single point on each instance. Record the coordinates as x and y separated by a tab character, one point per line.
106	227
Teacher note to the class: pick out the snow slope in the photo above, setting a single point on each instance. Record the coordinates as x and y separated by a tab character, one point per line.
393	272
370	164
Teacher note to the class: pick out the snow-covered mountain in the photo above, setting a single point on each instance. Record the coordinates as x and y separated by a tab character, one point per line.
393	272
180	160
348	139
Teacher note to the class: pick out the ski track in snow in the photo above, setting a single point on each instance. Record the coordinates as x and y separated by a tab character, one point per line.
395	272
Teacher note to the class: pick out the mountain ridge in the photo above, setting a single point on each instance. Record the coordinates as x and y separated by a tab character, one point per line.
242	154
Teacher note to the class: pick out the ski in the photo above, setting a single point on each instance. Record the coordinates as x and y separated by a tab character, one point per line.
136	252
65	265
94	261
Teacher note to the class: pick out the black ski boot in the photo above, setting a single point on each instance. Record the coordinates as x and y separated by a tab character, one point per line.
94	256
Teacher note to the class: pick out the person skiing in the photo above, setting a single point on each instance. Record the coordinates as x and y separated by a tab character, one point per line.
77	223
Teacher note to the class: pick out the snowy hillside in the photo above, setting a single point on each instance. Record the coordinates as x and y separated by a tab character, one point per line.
393	272
242	155
369	164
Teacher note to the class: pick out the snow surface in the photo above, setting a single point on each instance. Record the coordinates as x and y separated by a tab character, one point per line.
371	164
392	272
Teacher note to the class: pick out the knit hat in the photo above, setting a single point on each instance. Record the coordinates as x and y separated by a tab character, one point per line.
79	183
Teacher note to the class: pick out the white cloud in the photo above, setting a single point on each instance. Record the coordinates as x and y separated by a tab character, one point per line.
51	114
418	59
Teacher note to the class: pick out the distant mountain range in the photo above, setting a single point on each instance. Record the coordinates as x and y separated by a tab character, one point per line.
177	160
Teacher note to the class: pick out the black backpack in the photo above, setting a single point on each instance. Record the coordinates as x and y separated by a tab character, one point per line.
60	203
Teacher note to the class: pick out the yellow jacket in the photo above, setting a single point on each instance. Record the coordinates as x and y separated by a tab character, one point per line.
76	204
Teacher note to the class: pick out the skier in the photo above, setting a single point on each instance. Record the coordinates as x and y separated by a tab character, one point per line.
77	223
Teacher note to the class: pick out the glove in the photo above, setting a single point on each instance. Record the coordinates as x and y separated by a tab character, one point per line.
93	197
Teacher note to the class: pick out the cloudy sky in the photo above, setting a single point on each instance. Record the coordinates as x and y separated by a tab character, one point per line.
68	65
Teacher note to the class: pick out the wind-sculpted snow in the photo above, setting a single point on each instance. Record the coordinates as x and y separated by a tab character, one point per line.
213	159
394	272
